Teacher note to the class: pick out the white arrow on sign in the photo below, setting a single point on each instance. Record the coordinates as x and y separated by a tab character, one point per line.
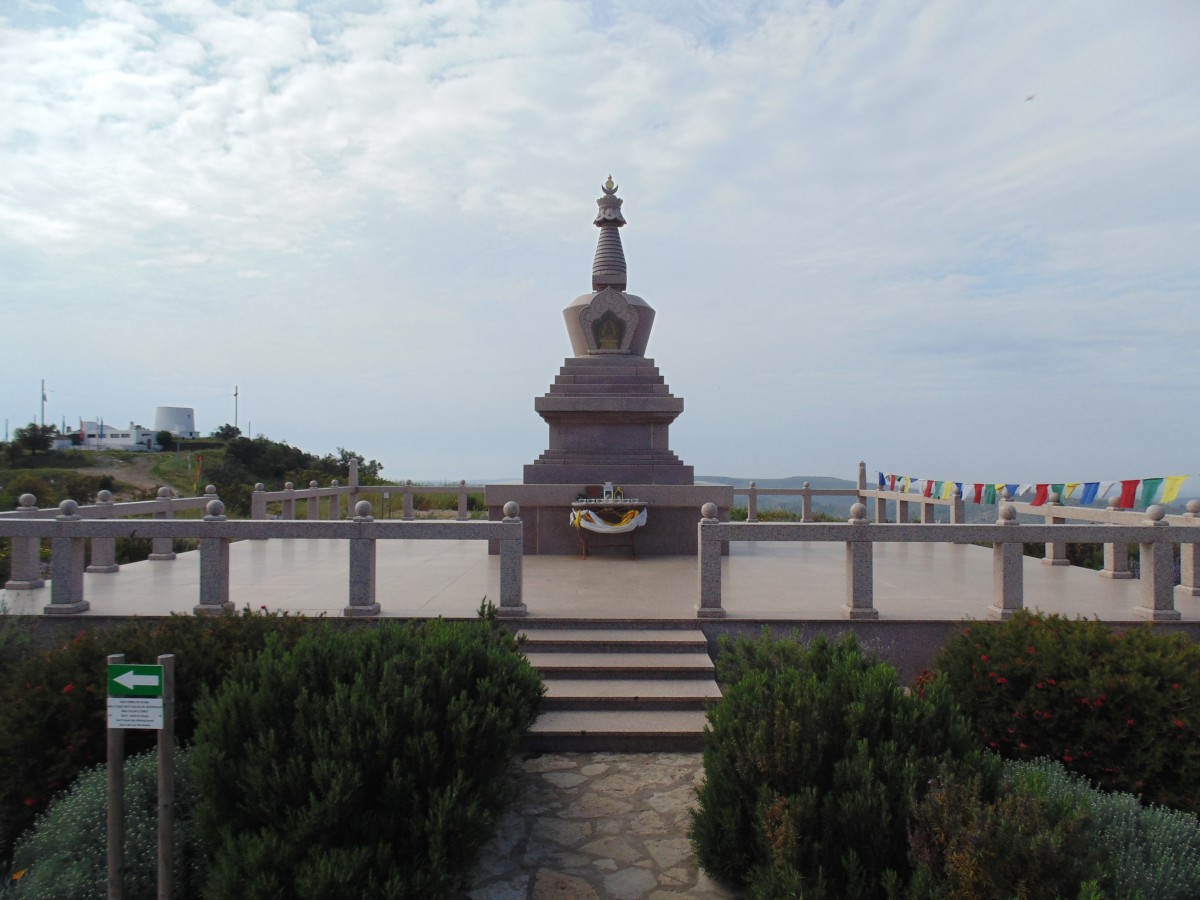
129	680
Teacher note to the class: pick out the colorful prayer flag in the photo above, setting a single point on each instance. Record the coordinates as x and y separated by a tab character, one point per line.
1174	485
1043	491
1150	487
1090	490
1129	488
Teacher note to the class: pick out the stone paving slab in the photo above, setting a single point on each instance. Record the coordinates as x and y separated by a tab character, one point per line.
597	825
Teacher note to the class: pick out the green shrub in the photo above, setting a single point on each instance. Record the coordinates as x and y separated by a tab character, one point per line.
52	704
361	764
1145	851
63	857
1121	709
814	763
966	841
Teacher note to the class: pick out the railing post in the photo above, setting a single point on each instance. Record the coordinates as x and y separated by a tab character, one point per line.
258	506
1116	553
104	549
880	510
335	502
66	565
163	547
352	502
1056	551
462	501
928	513
288	512
862	476
1189	558
709	566
1008	566
806	503
26	574
362	566
901	512
511	573
214	567
313	512
752	502
860	571
1158	573
958	509
406	512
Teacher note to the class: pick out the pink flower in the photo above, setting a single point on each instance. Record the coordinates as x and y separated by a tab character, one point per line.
68	688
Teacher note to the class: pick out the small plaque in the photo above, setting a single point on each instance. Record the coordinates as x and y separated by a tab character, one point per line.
141	713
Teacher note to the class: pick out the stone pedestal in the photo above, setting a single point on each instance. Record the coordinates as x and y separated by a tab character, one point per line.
672	514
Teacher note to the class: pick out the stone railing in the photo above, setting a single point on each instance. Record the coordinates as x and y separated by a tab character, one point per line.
805	493
288	498
26	556
1154	536
72	526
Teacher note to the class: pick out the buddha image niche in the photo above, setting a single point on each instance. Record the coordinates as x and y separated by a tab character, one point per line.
608	333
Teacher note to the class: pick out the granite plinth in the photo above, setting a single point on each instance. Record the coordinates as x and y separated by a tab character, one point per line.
670	529
609	419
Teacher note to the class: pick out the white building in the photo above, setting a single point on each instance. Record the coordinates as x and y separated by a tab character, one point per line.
179	420
101	436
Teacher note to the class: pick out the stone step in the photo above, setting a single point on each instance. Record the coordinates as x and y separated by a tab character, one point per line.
617	665
630	693
610	378
614	640
633	731
608	390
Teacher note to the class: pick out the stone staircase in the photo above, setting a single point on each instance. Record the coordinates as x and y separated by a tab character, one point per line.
620	688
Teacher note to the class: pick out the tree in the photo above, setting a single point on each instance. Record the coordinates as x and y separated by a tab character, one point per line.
165	439
35	438
227	432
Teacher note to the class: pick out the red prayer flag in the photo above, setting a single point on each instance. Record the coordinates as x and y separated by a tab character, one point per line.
929	487
1128	492
1042	495
978	493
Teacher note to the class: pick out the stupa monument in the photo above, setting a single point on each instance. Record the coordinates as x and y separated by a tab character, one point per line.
608	478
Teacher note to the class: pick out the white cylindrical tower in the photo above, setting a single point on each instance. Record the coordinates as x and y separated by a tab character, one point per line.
179	420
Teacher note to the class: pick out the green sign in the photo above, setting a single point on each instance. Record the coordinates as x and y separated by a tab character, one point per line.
127	680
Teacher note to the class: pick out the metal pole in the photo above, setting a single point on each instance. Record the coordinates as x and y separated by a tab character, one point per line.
116	803
166	781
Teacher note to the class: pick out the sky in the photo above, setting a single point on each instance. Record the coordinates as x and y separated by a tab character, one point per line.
956	240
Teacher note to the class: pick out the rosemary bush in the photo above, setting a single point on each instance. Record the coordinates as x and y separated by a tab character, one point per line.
63	856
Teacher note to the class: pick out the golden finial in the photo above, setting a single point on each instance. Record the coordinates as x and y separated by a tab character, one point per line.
609	186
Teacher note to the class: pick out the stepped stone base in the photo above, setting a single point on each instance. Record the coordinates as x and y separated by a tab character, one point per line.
671	518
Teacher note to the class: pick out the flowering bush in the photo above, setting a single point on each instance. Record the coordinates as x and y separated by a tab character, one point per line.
64	854
1122	709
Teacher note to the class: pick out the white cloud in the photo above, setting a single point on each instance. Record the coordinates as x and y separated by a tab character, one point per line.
841	212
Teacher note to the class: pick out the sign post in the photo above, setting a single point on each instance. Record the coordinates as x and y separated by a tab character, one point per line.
140	697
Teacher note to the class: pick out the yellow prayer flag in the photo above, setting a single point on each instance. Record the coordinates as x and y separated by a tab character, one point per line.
948	490
1171	487
1069	489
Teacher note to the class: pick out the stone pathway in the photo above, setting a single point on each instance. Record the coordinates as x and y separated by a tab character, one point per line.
597	825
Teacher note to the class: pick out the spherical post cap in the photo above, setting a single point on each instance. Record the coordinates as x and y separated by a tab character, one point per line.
27	500
858	511
709	510
259	487
313	484
1008	512
1114	502
1193	506
210	489
104	497
288	486
68	507
512	509
1054	498
362	509
164	492
334	483
1155	513
215	508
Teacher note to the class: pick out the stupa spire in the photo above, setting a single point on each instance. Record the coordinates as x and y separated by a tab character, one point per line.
608	267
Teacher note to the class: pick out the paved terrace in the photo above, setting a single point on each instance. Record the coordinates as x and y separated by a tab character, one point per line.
761	581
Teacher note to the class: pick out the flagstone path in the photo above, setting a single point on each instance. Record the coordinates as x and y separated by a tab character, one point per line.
597	825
